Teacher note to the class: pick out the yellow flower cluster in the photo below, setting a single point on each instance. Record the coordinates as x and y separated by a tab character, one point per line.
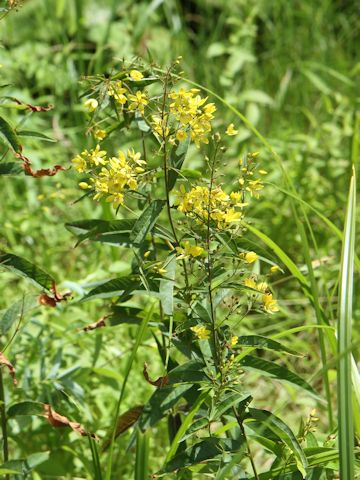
269	303
188	250
193	115
202	203
201	332
121	95
110	177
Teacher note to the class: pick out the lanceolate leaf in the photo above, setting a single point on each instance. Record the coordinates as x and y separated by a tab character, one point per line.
26	269
38	135
258	341
26	408
277	371
11	168
8	133
282	431
115	232
146	221
114	288
166	288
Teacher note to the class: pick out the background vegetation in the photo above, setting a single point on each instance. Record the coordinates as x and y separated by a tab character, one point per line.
292	69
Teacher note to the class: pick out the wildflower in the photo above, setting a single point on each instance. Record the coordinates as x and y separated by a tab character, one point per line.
189	250
117	91
84	185
231	130
201	332
79	163
181	135
250	283
249	257
274	268
262	286
91	104
254	187
270	305
191	111
138	101
96	156
99	134
159	125
234	340
136	75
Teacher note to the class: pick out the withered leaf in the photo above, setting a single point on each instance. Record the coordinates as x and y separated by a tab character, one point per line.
33	108
59	421
9	365
124	422
43	172
52	300
160	382
98	324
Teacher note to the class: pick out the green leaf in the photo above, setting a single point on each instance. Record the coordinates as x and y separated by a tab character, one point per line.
230	400
26	269
115	232
26	408
268	420
146	221
177	158
8	133
142	456
32	134
121	314
166	288
114	288
24	466
267	367
257	341
188	372
11	168
162	400
344	379
13	313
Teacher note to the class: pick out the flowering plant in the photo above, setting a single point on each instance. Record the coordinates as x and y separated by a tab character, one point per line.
193	279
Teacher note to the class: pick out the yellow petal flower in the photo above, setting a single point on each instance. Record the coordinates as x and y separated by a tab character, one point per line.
136	75
231	130
201	332
250	257
91	104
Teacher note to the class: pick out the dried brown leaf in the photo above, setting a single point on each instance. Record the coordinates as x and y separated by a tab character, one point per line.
60	421
160	382
98	324
9	365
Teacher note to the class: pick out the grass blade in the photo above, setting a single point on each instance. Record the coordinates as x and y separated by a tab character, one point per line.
344	385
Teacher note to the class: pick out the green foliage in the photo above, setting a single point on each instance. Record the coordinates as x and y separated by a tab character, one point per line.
228	389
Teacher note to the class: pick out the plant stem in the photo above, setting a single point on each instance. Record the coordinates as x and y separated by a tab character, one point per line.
240	423
3	421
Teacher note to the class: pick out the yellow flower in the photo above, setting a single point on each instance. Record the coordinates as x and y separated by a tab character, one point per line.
263	172
97	156
79	163
117	91
234	340
181	135
147	254
270	305
159	125
249	257
99	134
250	283
262	286
254	187
136	75
191	111
201	332
84	185
189	250
138	101
274	268
231	130
91	104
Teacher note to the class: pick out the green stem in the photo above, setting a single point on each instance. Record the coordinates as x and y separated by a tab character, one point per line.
4	422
